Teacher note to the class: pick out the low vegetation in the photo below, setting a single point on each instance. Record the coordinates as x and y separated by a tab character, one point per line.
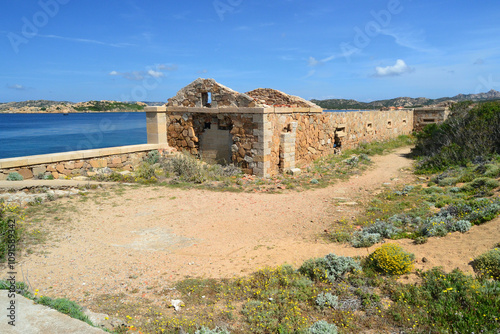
183	170
109	105
11	228
333	294
469	135
62	305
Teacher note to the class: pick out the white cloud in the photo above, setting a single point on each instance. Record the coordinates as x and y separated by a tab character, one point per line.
16	87
313	61
397	69
409	38
84	40
156	72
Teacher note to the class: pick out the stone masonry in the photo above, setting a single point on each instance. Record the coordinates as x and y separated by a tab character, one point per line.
264	131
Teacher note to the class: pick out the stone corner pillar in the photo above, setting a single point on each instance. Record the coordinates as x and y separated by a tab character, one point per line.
156	124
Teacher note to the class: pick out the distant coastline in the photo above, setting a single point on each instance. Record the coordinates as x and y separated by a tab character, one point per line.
58	107
65	107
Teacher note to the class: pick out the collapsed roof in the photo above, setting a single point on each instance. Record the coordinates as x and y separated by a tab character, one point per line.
209	93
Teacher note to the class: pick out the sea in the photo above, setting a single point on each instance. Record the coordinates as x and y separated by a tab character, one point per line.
33	134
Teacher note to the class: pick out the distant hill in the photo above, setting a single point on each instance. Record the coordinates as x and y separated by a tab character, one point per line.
407	102
46	106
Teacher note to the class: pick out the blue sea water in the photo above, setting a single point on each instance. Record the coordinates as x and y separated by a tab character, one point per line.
32	134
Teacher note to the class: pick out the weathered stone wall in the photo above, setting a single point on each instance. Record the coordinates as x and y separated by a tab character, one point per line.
429	115
196	95
262	142
320	134
185	129
273	97
65	165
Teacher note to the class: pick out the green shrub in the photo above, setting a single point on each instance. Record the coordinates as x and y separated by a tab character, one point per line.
484	184
460	226
153	157
385	229
322	327
145	172
20	287
491	170
315	269
186	167
365	239
448	181
7	233
324	300
338	266
447	303
391	259
14	176
65	306
331	267
487	265
464	136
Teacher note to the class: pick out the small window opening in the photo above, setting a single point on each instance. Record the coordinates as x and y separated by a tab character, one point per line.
429	120
206	99
369	125
207	125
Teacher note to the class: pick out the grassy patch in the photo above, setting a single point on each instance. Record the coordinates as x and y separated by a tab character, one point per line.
286	300
454	200
184	171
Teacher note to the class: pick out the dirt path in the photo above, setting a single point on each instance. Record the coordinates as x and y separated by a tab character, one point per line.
150	237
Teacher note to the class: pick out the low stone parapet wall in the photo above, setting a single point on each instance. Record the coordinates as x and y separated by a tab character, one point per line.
78	163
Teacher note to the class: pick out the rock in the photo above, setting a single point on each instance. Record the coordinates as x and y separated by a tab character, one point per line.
78	165
66	172
295	171
39	170
69	165
125	172
116	161
60	168
349	203
312	150
81	178
176	304
3	177
55	175
104	171
424	260
26	173
99	163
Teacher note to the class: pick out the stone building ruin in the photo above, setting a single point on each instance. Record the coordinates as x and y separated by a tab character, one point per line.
263	131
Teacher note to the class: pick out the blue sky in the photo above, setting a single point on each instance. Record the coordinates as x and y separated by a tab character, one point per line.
79	50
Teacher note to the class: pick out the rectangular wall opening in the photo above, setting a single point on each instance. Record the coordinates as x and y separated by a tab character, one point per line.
206	99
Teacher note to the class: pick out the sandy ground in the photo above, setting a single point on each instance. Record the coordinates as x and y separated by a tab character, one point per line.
147	238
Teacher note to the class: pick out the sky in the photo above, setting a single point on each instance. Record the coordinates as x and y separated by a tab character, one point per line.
144	50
